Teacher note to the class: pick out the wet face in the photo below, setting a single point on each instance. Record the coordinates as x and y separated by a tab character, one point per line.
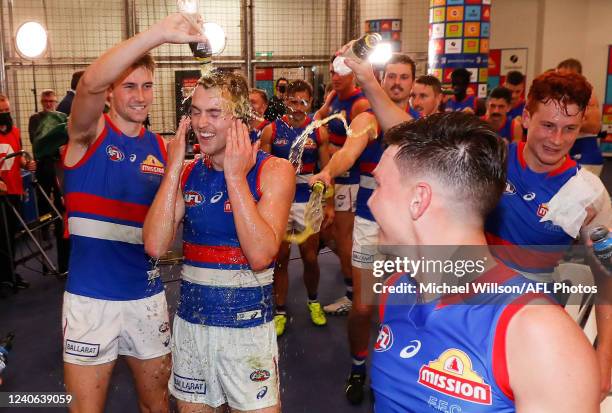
424	100
551	133
389	202
517	92
211	119
257	102
298	105
497	109
49	102
341	83
132	95
397	82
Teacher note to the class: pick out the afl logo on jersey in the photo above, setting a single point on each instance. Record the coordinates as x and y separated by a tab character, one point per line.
384	340
510	189
280	141
193	198
114	154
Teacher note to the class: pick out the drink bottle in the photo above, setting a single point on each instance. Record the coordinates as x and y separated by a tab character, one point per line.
359	50
602	245
313	213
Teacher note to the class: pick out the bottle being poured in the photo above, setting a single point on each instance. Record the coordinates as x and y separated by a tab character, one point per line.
215	35
313	213
359	50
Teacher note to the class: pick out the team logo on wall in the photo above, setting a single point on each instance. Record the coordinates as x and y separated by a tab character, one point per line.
114	153
152	165
452	374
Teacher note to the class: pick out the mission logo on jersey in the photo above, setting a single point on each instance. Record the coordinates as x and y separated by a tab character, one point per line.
152	165
452	374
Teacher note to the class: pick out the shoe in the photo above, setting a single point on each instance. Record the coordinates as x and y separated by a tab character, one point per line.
354	388
21	283
316	313
341	306
280	322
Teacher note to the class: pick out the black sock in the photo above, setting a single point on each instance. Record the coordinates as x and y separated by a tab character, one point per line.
349	288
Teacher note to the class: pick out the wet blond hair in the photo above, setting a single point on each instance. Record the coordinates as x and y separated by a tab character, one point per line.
234	89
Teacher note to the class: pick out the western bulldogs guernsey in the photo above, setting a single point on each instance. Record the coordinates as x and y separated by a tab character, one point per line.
446	355
256	133
108	194
283	137
506	131
452	105
218	288
516	110
586	151
337	132
530	245
368	160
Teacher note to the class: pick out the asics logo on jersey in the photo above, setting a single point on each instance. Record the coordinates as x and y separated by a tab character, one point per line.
193	198
114	153
410	350
529	196
216	197
510	188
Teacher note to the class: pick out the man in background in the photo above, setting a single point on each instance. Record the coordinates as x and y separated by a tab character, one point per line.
66	103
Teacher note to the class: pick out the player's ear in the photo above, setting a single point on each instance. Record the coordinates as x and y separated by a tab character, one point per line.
421	199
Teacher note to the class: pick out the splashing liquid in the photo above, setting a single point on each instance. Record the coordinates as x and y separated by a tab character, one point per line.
297	149
313	214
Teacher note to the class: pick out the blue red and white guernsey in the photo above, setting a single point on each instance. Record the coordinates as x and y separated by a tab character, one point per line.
108	193
256	132
527	244
447	355
453	105
506	131
283	137
586	151
413	112
218	287
368	160
337	132
517	110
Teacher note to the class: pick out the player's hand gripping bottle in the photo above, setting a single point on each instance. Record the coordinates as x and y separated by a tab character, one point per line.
359	50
